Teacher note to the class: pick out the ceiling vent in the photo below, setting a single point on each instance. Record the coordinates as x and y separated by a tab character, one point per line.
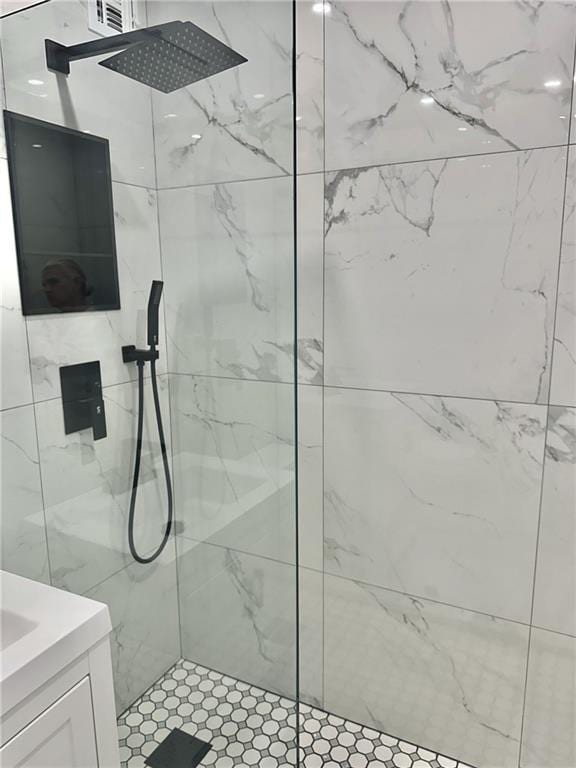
112	17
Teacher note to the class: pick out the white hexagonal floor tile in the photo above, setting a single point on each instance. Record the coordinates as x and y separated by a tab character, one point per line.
251	727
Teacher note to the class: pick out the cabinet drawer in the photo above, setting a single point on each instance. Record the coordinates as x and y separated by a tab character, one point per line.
63	735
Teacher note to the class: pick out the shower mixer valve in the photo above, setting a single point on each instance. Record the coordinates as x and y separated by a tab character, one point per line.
132	355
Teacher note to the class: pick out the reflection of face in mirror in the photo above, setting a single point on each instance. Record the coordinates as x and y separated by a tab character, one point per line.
65	286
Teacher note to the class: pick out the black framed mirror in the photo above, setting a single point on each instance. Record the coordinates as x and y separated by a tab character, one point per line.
63	217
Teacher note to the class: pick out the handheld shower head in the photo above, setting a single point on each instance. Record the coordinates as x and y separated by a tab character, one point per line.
153	311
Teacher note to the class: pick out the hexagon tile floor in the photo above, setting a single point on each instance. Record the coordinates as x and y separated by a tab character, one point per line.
251	727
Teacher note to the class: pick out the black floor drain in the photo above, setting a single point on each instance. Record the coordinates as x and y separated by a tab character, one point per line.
178	750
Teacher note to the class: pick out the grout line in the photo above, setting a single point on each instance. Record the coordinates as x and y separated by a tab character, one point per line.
363	389
541	628
328	171
369	584
24	9
319	386
137	186
436	395
442	158
225	182
547	427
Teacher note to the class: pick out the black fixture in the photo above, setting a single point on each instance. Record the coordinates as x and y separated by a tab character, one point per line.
166	56
130	354
178	750
82	399
63	217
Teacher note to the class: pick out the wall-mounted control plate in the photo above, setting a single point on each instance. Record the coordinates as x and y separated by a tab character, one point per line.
82	399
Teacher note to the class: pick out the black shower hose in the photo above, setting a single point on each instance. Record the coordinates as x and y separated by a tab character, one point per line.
133	552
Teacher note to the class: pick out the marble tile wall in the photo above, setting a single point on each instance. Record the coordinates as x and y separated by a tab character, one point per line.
441	307
436	386
65	497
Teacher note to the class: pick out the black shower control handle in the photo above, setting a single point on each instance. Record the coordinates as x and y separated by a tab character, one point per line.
98	413
82	399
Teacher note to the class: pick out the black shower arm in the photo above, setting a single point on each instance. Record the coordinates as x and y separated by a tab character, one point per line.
58	57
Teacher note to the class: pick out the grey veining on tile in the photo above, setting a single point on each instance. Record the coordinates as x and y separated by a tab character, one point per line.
414	81
437	675
549	737
422	492
555	589
237	125
16	387
247	606
234	463
57	340
563	385
441	276
310	256
87	516
24	549
309	87
143	607
90	99
228	257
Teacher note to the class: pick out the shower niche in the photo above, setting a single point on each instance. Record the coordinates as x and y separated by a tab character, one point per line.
63	217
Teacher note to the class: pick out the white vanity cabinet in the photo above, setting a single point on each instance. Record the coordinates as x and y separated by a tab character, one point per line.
56	688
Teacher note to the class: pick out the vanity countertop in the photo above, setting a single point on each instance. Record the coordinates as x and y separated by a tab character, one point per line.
42	630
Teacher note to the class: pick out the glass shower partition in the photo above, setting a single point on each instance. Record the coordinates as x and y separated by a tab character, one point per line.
224	163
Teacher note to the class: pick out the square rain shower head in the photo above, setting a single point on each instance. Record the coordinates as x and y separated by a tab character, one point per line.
177	54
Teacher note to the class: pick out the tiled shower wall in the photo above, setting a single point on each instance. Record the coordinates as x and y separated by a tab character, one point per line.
437	324
65	497
437	385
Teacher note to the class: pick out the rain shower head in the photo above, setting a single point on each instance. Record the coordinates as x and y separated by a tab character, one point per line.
165	57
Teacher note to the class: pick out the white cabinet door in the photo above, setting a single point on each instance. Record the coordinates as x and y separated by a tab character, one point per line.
61	737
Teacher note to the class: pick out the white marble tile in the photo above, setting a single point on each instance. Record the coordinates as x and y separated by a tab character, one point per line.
87	515
91	98
228	257
499	75
238	614
421	493
57	340
310	277
238	124
143	607
309	87
549	739
16	387
555	590
23	537
450	679
563	385
311	637
233	463
12	6
310	469
441	276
